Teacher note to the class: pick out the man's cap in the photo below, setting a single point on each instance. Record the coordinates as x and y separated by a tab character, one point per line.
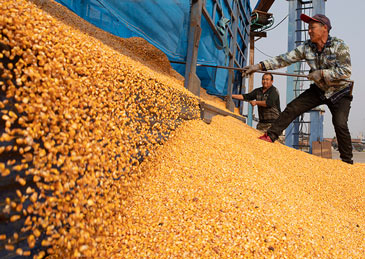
321	18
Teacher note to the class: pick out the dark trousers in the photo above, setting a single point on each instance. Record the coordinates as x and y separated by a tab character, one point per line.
310	99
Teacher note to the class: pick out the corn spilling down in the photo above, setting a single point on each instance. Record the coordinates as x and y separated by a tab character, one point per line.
77	119
215	101
84	172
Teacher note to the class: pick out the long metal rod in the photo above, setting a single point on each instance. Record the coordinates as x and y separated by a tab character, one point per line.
241	69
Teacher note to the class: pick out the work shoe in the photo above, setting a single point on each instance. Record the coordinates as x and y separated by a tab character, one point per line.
265	137
351	162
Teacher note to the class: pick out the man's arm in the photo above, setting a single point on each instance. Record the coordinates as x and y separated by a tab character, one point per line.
284	60
342	69
258	103
245	97
270	101
280	61
238	97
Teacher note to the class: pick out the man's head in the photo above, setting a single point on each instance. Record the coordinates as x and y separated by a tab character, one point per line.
319	18
267	80
319	26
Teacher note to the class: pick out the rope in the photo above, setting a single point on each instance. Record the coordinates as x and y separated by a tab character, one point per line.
278	23
264	53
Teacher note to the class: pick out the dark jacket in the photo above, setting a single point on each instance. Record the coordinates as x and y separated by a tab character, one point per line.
270	113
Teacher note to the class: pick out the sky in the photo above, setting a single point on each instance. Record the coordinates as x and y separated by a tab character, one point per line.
346	24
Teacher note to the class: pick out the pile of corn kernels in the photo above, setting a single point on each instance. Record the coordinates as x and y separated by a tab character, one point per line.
216	101
217	191
83	123
78	117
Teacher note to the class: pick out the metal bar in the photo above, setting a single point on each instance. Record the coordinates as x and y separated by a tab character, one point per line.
305	2
251	78
191	80
241	69
243	8
231	12
303	122
302	70
294	23
230	104
264	5
211	23
304	8
214	10
319	7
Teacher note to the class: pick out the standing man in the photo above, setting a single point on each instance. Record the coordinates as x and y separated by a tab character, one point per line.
330	63
267	99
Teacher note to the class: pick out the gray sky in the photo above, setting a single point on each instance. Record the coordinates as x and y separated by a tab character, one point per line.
347	25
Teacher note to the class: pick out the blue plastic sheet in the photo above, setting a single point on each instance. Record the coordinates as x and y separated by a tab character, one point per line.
165	24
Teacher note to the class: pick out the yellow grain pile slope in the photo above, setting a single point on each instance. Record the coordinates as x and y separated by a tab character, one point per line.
79	113
77	118
216	191
137	49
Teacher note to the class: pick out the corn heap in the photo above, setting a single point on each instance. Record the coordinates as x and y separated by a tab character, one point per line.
77	118
84	173
217	191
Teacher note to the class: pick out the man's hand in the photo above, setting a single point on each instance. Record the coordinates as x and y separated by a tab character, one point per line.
316	76
250	69
253	103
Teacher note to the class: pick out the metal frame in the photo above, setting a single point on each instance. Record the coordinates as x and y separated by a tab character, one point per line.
294	135
237	54
192	82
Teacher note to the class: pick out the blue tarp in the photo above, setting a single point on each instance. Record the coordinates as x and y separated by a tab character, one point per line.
165	24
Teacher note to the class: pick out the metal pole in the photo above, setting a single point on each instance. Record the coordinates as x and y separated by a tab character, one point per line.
251	78
294	36
242	69
229	103
192	82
